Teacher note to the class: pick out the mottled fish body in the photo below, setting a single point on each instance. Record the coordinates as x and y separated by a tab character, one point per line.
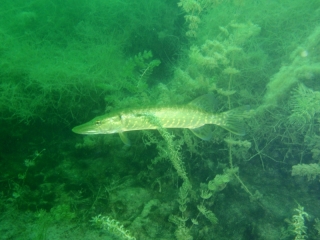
191	116
167	117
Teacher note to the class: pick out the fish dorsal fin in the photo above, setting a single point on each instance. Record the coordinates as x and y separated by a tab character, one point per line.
204	132
124	138
205	102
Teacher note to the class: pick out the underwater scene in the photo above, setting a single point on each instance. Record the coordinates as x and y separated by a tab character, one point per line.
160	119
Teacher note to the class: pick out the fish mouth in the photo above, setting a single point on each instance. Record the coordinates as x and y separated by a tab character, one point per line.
84	129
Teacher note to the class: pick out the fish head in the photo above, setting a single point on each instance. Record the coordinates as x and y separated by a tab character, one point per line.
100	125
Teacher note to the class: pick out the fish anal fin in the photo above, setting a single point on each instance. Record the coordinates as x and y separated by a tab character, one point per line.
203	132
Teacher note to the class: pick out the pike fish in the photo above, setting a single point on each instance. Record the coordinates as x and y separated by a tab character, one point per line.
195	116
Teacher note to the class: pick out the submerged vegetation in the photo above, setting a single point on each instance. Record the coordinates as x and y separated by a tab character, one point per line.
64	63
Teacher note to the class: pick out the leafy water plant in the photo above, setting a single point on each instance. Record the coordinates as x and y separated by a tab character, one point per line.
298	220
304	103
111	225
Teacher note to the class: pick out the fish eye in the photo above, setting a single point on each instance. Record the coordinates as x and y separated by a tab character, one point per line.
98	122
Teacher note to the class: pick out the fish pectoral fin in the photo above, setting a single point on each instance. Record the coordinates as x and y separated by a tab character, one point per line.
203	132
124	138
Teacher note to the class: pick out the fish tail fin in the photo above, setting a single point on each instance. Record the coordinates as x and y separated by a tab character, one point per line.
233	120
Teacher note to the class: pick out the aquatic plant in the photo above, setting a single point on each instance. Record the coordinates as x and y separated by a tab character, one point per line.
298	222
112	226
